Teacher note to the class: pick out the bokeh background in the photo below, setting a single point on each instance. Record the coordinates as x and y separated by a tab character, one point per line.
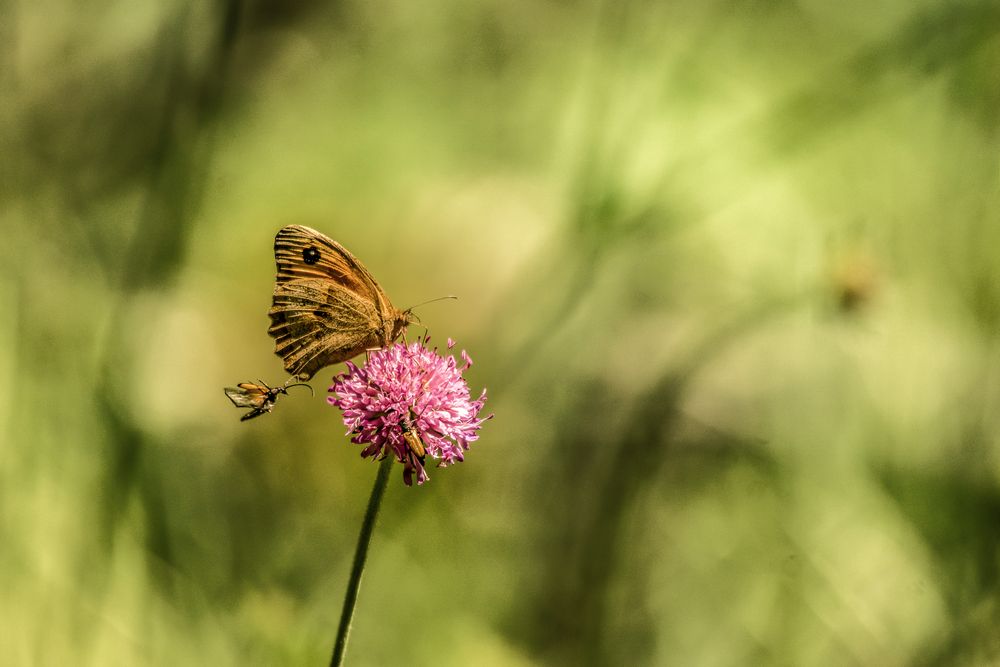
729	270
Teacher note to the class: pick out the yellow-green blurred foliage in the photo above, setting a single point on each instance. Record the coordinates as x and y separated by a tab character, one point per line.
730	271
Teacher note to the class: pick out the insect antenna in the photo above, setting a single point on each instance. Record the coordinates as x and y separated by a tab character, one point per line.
424	303
288	386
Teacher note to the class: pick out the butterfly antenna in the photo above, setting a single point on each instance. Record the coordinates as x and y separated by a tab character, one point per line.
424	303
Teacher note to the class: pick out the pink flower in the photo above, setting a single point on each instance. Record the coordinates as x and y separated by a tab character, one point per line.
409	401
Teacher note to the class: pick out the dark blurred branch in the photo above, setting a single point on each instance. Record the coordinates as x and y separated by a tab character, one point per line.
175	172
181	156
588	533
644	448
572	618
955	509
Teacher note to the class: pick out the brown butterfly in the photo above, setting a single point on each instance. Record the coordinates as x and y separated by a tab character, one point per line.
260	397
327	307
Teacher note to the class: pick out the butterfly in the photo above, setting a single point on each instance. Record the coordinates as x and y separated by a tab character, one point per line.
326	306
259	397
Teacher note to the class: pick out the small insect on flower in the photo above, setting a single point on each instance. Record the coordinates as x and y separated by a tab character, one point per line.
259	397
413	440
410	402
415	456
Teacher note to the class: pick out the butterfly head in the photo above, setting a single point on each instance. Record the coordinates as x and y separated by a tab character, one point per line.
403	319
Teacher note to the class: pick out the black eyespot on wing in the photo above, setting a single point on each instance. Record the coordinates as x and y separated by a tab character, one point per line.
310	255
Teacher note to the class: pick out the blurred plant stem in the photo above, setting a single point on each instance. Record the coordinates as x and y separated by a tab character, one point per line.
174	171
360	556
579	579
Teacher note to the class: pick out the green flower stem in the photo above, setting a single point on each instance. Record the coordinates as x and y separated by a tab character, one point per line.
360	555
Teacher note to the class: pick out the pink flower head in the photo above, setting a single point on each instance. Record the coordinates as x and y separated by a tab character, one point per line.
409	401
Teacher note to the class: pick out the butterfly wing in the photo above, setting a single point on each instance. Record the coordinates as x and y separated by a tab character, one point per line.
302	252
327	307
317	322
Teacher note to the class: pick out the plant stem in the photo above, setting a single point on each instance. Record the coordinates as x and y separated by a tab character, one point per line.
360	555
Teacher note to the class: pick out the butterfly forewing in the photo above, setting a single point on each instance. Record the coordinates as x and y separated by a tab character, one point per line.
302	252
327	307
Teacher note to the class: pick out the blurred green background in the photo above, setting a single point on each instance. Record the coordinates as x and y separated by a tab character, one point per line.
730	271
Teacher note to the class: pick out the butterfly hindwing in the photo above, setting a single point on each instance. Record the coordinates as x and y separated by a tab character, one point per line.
316	323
